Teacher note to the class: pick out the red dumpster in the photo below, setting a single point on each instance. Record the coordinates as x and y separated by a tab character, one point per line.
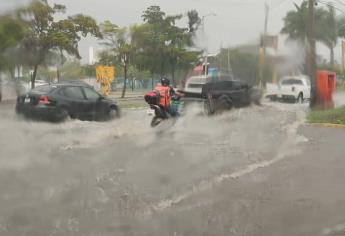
325	85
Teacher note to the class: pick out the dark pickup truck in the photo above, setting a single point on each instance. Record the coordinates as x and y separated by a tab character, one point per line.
224	95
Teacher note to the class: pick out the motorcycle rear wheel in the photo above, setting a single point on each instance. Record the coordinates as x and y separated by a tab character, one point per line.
156	121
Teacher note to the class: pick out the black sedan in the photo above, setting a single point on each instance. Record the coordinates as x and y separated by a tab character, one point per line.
56	102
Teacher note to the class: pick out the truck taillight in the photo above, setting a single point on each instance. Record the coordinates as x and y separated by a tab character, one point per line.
44	100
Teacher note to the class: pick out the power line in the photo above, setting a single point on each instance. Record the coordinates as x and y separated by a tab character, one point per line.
340	2
278	4
331	5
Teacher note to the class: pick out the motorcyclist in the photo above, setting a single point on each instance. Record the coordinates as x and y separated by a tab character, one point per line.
167	95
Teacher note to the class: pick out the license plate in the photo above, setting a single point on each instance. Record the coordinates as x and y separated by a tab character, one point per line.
27	100
150	112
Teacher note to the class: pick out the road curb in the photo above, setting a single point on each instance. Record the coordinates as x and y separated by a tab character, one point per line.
326	125
128	98
8	101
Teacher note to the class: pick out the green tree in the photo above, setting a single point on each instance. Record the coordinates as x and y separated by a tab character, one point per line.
328	29
145	51
161	46
194	21
11	32
88	71
44	34
67	33
118	48
341	26
244	65
295	26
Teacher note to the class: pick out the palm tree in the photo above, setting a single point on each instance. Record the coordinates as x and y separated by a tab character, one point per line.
295	26
328	30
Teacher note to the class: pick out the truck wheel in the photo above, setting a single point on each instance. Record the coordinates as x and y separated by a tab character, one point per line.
300	98
208	108
225	102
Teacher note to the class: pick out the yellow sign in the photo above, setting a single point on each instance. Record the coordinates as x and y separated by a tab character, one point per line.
270	41
105	75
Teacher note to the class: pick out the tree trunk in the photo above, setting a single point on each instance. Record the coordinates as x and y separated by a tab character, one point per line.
33	77
125	82
58	74
152	81
133	84
173	77
12	73
59	67
18	72
0	87
332	56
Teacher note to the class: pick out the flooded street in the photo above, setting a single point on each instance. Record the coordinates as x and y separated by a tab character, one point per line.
92	178
214	118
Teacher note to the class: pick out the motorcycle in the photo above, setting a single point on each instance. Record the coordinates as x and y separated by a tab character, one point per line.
161	113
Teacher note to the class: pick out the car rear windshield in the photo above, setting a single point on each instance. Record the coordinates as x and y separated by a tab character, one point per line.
44	89
292	81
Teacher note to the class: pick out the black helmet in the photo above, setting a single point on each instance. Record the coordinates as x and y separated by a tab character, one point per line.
165	81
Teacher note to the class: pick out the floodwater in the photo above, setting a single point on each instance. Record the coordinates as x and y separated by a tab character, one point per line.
113	178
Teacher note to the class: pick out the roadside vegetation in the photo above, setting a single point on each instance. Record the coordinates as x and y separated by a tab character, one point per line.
158	45
332	116
132	104
50	44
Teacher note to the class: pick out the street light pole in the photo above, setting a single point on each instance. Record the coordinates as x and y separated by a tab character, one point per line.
203	20
311	54
267	10
262	49
204	36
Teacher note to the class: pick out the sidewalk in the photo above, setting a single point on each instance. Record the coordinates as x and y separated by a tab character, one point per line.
130	95
132	99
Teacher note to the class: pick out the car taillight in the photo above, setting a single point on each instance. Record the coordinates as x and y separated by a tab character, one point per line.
293	89
43	100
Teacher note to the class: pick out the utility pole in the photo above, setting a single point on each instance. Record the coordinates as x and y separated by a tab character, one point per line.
311	54
342	55
262	52
267	10
229	65
206	51
204	36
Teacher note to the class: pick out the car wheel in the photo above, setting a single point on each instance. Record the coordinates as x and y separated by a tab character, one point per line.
114	113
63	114
300	98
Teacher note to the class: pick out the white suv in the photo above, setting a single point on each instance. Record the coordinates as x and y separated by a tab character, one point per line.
295	88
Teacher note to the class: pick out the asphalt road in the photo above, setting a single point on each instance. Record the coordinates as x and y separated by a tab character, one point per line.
253	171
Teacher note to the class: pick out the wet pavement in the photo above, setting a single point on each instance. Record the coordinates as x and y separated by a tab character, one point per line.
192	177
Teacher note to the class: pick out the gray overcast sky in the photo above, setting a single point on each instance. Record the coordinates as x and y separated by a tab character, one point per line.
237	21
